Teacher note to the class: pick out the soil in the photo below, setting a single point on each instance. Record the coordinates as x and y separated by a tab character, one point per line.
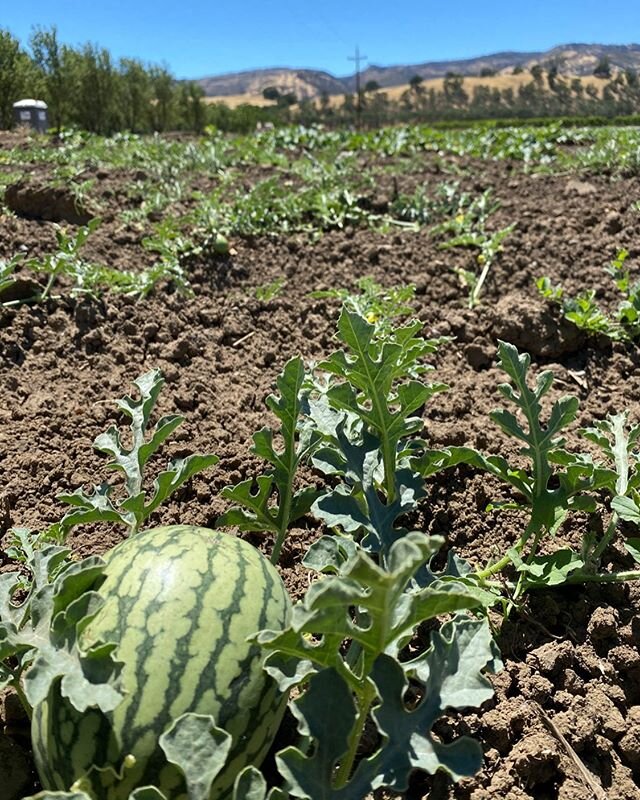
572	657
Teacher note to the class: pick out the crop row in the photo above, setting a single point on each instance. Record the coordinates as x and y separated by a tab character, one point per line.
551	147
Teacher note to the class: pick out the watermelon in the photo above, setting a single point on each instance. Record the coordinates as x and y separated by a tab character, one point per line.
180	603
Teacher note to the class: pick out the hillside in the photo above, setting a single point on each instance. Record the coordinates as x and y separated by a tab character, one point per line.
394	93
571	59
303	82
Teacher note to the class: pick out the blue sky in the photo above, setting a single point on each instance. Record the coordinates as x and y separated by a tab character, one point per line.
197	38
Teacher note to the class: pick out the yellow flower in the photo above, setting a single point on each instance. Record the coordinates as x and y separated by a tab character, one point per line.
460	219
372	318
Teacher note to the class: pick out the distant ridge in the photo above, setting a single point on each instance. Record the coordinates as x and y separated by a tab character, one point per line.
571	59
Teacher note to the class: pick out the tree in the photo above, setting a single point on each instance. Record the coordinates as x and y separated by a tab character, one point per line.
97	107
55	63
191	109
371	86
197	108
592	91
287	100
271	93
552	75
307	113
162	85
487	72
135	95
348	108
603	68
537	73
454	92
18	77
508	97
325	104
415	93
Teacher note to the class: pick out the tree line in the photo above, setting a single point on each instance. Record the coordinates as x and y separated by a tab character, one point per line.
85	87
547	93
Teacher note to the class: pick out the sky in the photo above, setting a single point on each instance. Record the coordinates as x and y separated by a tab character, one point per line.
197	38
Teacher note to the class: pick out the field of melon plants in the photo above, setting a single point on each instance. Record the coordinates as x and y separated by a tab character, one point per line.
320	465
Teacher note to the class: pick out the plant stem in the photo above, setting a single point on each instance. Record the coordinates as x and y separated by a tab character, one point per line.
47	288
604	577
346	765
606	539
22	696
487	572
280	536
475	292
286	502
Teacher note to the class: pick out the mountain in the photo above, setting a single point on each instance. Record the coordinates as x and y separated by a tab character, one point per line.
303	83
571	59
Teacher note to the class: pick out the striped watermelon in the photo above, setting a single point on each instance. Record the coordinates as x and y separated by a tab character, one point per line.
180	602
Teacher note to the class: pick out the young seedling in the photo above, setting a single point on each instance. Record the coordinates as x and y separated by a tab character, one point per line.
489	245
620	445
275	505
7	278
380	306
269	291
364	413
557	482
173	246
135	509
466	227
547	494
585	312
377	379
66	260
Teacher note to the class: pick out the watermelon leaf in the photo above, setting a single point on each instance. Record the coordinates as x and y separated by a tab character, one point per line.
143	793
451	677
355	505
133	511
344	641
41	633
547	570
47	795
329	554
626	508
387	613
379	383
199	749
556	482
251	785
313	776
256	509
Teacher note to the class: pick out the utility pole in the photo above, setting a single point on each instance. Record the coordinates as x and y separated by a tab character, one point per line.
358	58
